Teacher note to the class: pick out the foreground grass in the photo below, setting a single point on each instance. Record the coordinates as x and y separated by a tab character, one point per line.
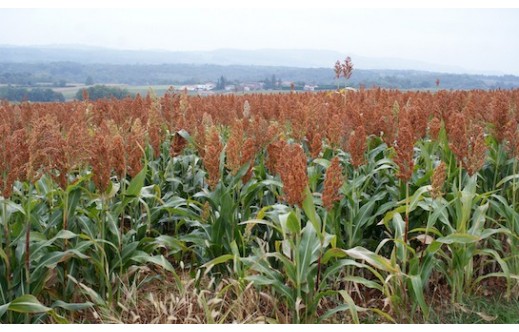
478	310
156	299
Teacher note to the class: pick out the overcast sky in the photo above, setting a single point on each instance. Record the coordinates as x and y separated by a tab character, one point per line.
475	39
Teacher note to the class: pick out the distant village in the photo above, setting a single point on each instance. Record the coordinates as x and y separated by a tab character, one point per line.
245	87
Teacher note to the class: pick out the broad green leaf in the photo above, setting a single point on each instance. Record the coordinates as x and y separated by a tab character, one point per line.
218	260
332	253
51	259
389	216
365	213
351	304
252	222
399	228
373	259
3	309
308	253
94	296
293	224
506	179
323	162
366	282
58	319
27	304
62	235
137	183
142	257
161	261
458	238
309	208
478	219
418	196
185	135
170	242
418	287
73	198
13	207
72	306
491	231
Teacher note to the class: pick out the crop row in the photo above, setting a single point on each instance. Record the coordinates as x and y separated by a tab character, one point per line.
315	198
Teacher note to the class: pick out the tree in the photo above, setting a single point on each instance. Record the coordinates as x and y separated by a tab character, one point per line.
220	84
36	94
89	81
270	83
102	91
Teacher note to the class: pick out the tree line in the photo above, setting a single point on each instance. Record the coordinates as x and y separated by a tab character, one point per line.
18	94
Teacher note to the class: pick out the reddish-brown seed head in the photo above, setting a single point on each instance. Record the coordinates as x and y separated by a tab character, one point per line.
357	145
211	161
332	183
293	174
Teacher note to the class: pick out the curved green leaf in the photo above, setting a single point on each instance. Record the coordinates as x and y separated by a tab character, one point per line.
27	304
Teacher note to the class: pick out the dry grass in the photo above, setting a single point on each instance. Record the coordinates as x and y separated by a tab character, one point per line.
158	300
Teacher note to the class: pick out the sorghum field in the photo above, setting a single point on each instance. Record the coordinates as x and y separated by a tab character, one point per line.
337	207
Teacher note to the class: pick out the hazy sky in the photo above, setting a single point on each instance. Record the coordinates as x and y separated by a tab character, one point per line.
475	39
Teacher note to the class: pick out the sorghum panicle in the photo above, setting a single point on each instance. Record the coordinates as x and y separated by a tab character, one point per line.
332	183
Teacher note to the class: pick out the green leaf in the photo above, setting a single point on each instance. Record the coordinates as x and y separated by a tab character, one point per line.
58	319
62	235
399	227
351	306
185	135
332	253
373	259
218	260
270	182
94	296
293	223
418	286
72	306
418	196
170	242
137	183
389	216
323	162
73	199
309	208
458	238
51	259
159	260
13	207
506	179
3	309
308	253
366	282
112	190
27	304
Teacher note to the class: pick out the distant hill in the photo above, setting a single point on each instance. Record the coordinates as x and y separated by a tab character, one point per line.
260	57
64	64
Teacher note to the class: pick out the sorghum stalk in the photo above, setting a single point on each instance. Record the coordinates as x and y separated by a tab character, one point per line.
105	286
406	231
27	242
7	245
121	223
497	164
460	175
514	193
65	227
